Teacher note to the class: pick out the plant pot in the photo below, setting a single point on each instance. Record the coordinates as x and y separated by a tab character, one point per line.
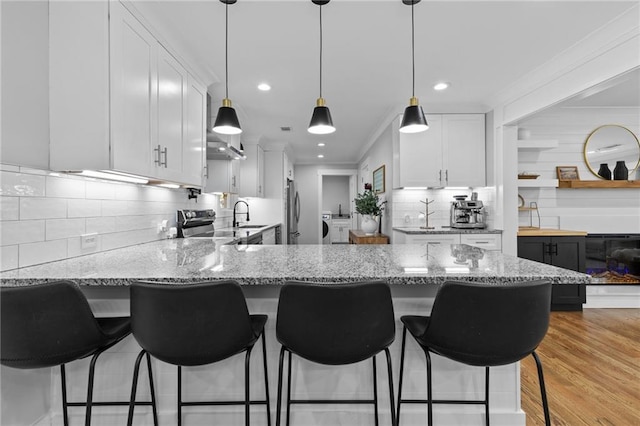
369	224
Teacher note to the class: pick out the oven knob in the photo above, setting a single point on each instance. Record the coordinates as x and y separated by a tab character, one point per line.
190	215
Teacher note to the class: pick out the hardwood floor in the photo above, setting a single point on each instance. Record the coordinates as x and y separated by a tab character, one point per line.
591	362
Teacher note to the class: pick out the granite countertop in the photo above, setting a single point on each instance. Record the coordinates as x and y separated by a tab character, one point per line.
192	260
448	230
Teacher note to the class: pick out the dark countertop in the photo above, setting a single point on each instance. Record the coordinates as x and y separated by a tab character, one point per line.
192	260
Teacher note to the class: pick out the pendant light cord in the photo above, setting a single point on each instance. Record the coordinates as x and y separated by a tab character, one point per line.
226	50
320	50
413	56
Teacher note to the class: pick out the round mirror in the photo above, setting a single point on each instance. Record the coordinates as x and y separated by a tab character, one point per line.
609	144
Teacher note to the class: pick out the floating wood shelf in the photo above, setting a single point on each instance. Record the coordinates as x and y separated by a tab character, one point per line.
574	184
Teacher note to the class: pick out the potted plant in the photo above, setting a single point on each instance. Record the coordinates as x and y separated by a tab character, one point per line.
369	206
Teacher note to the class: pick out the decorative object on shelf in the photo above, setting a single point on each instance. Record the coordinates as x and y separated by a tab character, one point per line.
525	175
604	172
227	120
567	173
609	143
520	201
620	172
378	179
413	119
426	203
368	186
369	206
321	122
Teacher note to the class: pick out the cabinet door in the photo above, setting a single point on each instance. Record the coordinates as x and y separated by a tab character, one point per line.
252	170
260	169
569	253
420	155
484	241
193	155
171	92
234	176
433	239
133	92
463	138
218	176
534	248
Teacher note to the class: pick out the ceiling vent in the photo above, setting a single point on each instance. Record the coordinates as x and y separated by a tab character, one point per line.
285	128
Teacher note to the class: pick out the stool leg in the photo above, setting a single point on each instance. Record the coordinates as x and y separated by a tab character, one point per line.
154	410
391	398
429	390
134	388
289	391
179	396
92	370
247	402
375	389
404	341
63	379
279	397
266	377
486	395
543	391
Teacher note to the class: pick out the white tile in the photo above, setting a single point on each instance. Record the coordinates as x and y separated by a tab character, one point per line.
8	257
21	184
42	208
129	192
96	190
64	228
9	208
131	223
9	168
101	225
83	208
20	232
65	187
117	208
36	253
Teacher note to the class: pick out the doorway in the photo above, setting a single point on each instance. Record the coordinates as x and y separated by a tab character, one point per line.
336	192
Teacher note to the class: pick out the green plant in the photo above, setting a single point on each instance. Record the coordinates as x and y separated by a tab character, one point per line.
369	203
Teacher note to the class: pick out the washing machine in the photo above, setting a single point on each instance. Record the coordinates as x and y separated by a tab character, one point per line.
326	227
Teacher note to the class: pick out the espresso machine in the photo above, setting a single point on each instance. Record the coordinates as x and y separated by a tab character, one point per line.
466	214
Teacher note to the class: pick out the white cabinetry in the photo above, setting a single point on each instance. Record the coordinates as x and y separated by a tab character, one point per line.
223	176
252	170
194	154
119	100
340	230
450	153
485	241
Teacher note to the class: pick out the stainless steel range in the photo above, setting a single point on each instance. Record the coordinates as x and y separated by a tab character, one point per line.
195	223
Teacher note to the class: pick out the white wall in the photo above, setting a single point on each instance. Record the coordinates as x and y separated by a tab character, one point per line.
609	210
335	193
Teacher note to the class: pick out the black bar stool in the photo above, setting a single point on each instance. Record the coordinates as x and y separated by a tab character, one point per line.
335	324
196	324
482	325
51	324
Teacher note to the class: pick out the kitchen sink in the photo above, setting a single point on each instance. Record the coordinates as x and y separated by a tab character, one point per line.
251	226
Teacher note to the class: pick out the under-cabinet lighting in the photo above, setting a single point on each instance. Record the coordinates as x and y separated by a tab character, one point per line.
456	270
169	185
114	176
416	270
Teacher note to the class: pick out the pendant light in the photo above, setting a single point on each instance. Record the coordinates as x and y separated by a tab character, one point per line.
413	120
227	120
321	122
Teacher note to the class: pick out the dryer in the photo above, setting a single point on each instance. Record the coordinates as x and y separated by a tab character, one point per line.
326	227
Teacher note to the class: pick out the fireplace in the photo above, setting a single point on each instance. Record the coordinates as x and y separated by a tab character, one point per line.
613	258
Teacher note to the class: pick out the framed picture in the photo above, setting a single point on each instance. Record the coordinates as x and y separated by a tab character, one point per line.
567	173
378	180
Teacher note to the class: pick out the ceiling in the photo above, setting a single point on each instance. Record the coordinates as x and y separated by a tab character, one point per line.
479	46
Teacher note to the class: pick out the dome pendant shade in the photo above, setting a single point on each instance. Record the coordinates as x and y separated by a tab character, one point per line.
413	120
321	122
227	120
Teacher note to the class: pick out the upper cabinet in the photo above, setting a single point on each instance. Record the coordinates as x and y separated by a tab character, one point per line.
252	171
223	176
119	100
450	153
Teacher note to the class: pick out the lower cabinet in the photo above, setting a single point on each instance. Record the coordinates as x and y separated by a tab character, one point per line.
340	231
485	241
563	252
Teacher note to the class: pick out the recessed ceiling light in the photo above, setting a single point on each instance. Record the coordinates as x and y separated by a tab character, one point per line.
441	86
320	156
264	87
320	143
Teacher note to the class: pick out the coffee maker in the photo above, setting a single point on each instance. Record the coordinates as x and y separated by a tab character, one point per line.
467	214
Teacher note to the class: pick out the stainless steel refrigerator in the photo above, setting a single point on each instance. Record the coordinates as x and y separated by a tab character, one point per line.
293	213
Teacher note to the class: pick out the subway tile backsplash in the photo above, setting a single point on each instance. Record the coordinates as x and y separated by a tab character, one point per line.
43	214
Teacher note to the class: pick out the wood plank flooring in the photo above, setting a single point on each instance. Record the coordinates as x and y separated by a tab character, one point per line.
591	362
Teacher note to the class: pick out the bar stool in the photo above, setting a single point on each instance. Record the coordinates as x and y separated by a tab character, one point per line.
51	324
335	324
193	325
481	325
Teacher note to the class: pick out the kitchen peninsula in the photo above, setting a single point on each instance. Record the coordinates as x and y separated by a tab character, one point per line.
413	271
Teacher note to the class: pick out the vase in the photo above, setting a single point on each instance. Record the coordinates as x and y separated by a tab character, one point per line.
620	172
369	224
604	171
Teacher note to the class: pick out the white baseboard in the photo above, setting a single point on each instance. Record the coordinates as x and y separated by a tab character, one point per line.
612	296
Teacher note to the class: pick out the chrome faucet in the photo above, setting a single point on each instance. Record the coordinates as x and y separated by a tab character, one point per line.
235	222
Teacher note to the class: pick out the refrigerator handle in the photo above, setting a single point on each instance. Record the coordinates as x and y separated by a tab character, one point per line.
297	207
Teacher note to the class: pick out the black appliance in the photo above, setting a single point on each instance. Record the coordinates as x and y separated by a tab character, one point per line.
613	258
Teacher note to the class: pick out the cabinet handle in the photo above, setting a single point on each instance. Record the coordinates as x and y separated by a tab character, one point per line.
233	180
164	152
157	159
446	175
206	172
555	249
259	189
481	242
440	176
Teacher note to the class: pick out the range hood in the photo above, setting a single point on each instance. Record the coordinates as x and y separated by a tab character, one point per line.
218	146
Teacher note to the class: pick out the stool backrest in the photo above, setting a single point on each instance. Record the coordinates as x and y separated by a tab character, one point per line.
335	324
488	324
45	325
190	324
